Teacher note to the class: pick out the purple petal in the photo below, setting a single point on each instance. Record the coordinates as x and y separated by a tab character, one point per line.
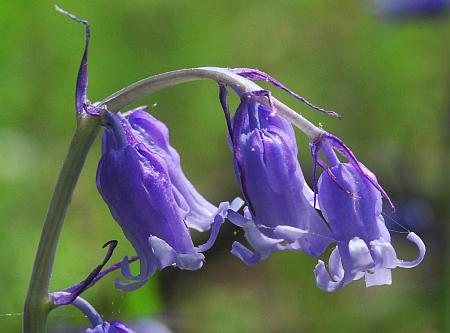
221	214
383	253
163	252
190	261
412	237
266	165
243	253
327	139
259	241
197	212
323	278
335	265
288	233
379	277
237	219
136	185
360	255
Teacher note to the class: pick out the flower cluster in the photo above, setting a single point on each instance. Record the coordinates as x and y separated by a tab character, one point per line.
283	211
141	180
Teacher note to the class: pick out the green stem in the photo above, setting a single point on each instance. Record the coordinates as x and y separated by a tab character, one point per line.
37	304
155	83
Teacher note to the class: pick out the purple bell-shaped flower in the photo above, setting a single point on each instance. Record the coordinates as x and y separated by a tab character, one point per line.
197	212
113	327
134	178
280	214
351	202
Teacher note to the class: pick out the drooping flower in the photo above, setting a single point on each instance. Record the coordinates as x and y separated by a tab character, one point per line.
350	199
280	214
134	178
113	327
197	212
408	9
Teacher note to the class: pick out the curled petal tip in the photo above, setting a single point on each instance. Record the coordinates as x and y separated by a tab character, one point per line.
324	280
413	238
244	254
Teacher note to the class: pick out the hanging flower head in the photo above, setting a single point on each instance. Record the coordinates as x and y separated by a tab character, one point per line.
113	327
350	199
134	178
280	214
197	212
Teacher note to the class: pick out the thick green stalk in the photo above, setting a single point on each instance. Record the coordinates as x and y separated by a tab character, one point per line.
37	304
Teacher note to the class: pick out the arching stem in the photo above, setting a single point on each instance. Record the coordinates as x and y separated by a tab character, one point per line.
38	303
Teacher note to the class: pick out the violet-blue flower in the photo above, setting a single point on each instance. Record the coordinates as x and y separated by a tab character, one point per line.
350	199
404	9
197	212
280	214
113	327
134	178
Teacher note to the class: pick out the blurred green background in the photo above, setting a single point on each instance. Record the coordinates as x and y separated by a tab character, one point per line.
389	80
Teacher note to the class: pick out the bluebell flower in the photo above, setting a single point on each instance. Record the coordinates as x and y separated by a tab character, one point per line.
280	213
113	327
197	212
403	9
140	178
350	199
83	106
